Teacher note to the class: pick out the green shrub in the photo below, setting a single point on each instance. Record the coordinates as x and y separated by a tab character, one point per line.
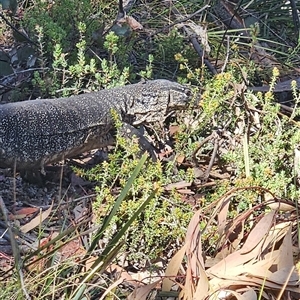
162	222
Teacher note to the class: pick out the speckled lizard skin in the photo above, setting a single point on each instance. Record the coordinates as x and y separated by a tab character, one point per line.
34	133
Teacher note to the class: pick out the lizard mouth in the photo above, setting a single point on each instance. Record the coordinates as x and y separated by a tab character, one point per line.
182	98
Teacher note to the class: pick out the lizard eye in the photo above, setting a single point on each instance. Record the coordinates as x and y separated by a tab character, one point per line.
188	92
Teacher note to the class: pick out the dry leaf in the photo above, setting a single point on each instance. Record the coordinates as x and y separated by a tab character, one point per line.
202	286
180	159
193	238
111	288
283	275
250	295
23	212
133	23
222	217
258	232
177	185
37	220
186	192
285	258
174	129
201	33
173	268
233	260
281	206
195	262
74	248
142	292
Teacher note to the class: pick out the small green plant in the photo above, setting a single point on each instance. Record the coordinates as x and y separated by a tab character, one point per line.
51	271
164	218
64	32
59	21
254	139
84	74
271	143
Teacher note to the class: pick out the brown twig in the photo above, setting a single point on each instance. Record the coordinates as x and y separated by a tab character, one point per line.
14	28
193	37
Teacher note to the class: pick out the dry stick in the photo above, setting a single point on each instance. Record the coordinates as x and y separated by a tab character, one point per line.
212	159
122	10
15	249
175	11
199	146
16	30
197	47
237	7
193	37
227	55
11	78
58	238
214	136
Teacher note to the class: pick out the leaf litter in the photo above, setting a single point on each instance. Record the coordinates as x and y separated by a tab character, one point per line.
260	265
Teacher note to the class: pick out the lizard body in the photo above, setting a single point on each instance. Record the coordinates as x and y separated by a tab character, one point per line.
37	132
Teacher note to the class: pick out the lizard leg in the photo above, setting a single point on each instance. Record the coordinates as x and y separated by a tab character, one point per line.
129	132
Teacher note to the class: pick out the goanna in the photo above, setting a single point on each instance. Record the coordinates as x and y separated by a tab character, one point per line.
34	133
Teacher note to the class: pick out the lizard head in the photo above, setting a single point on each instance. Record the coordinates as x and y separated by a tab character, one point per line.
157	99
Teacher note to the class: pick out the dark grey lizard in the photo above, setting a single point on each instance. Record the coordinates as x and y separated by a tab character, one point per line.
38	132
